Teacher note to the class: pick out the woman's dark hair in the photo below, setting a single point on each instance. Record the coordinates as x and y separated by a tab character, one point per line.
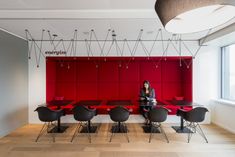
147	82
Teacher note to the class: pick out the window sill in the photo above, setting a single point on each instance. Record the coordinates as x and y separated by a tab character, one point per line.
225	102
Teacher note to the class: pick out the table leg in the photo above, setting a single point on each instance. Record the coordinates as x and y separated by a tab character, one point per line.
181	128
181	123
58	125
91	129
119	126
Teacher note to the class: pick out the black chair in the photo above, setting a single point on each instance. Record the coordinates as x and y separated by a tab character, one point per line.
157	116
83	114
119	115
48	116
193	118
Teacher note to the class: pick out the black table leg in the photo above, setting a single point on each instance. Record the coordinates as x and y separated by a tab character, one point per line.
58	128
181	128
58	125
119	128
148	128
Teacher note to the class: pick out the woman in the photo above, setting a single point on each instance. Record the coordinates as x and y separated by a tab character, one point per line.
147	93
147	97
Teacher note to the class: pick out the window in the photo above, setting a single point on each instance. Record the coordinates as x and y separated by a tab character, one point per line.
228	72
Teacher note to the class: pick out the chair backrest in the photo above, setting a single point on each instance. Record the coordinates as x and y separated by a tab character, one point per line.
158	114
47	115
82	113
119	114
196	115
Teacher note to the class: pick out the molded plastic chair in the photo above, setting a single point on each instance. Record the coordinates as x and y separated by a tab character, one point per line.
194	117
48	116
119	115
157	116
83	114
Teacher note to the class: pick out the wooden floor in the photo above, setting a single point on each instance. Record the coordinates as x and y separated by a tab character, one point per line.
20	143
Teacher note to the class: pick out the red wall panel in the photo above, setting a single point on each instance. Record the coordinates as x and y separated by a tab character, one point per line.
87	91
149	71
108	72
67	72
66	90
130	73
171	71
129	91
108	91
86	72
50	79
80	79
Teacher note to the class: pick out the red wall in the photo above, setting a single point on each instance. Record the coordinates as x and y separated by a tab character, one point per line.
79	78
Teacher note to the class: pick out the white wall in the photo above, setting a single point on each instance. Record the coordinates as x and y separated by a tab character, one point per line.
13	83
223	114
205	77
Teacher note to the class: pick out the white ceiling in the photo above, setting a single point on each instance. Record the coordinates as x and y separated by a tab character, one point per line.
76	4
62	17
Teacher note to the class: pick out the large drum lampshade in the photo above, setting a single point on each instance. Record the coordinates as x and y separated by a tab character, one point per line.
189	16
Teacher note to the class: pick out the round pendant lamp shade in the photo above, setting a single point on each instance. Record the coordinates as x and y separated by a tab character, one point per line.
189	16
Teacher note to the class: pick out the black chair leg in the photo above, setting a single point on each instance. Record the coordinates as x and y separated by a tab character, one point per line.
88	132
76	131
48	129
190	126
151	132
202	133
41	132
163	132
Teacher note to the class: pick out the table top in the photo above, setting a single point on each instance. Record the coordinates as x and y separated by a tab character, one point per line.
151	103
119	103
183	103
60	102
89	103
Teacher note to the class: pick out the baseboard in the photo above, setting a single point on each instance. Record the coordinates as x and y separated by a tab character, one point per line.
224	127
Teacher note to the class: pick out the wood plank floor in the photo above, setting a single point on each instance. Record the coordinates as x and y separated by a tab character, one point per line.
20	143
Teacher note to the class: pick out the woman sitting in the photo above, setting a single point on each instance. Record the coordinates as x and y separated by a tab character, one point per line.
147	94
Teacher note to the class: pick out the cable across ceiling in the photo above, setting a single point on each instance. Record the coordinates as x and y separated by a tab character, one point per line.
105	45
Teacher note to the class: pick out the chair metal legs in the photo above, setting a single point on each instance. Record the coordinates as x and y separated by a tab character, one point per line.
195	127
202	133
46	126
158	125
151	132
76	131
41	132
126	132
122	130
79	125
88	132
114	130
164	134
